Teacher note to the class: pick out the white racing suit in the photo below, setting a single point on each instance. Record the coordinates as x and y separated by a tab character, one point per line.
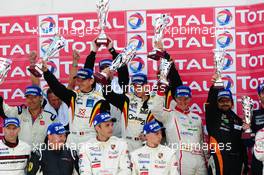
154	161
32	132
82	113
184	133
83	107
259	146
104	158
13	160
135	113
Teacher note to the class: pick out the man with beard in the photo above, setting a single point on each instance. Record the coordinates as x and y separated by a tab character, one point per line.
227	151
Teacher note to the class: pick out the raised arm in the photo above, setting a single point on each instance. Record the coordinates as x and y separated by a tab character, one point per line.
90	59
120	101
212	94
57	88
158	110
73	69
211	106
173	76
123	74
9	111
32	59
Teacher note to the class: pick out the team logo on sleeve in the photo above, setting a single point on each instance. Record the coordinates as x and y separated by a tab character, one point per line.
30	167
113	147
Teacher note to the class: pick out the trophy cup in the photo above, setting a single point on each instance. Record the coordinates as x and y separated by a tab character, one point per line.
102	12
5	66
247	107
164	68
160	23
219	58
58	42
123	58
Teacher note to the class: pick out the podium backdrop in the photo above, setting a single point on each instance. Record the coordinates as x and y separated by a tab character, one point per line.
190	38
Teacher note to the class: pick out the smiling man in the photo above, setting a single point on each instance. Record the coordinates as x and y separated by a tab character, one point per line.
225	131
83	104
34	120
184	131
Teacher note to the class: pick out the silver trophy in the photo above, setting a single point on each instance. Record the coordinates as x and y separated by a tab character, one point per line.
247	107
164	68
57	43
160	23
102	12
5	66
219	59
122	59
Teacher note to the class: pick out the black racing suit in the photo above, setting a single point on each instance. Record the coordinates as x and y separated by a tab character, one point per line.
257	123
53	162
136	111
227	151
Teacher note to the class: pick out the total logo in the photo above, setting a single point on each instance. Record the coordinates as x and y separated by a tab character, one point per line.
224	39
135	20
48	25
44	46
52	66
228	81
224	17
228	61
136	65
44	43
139	40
